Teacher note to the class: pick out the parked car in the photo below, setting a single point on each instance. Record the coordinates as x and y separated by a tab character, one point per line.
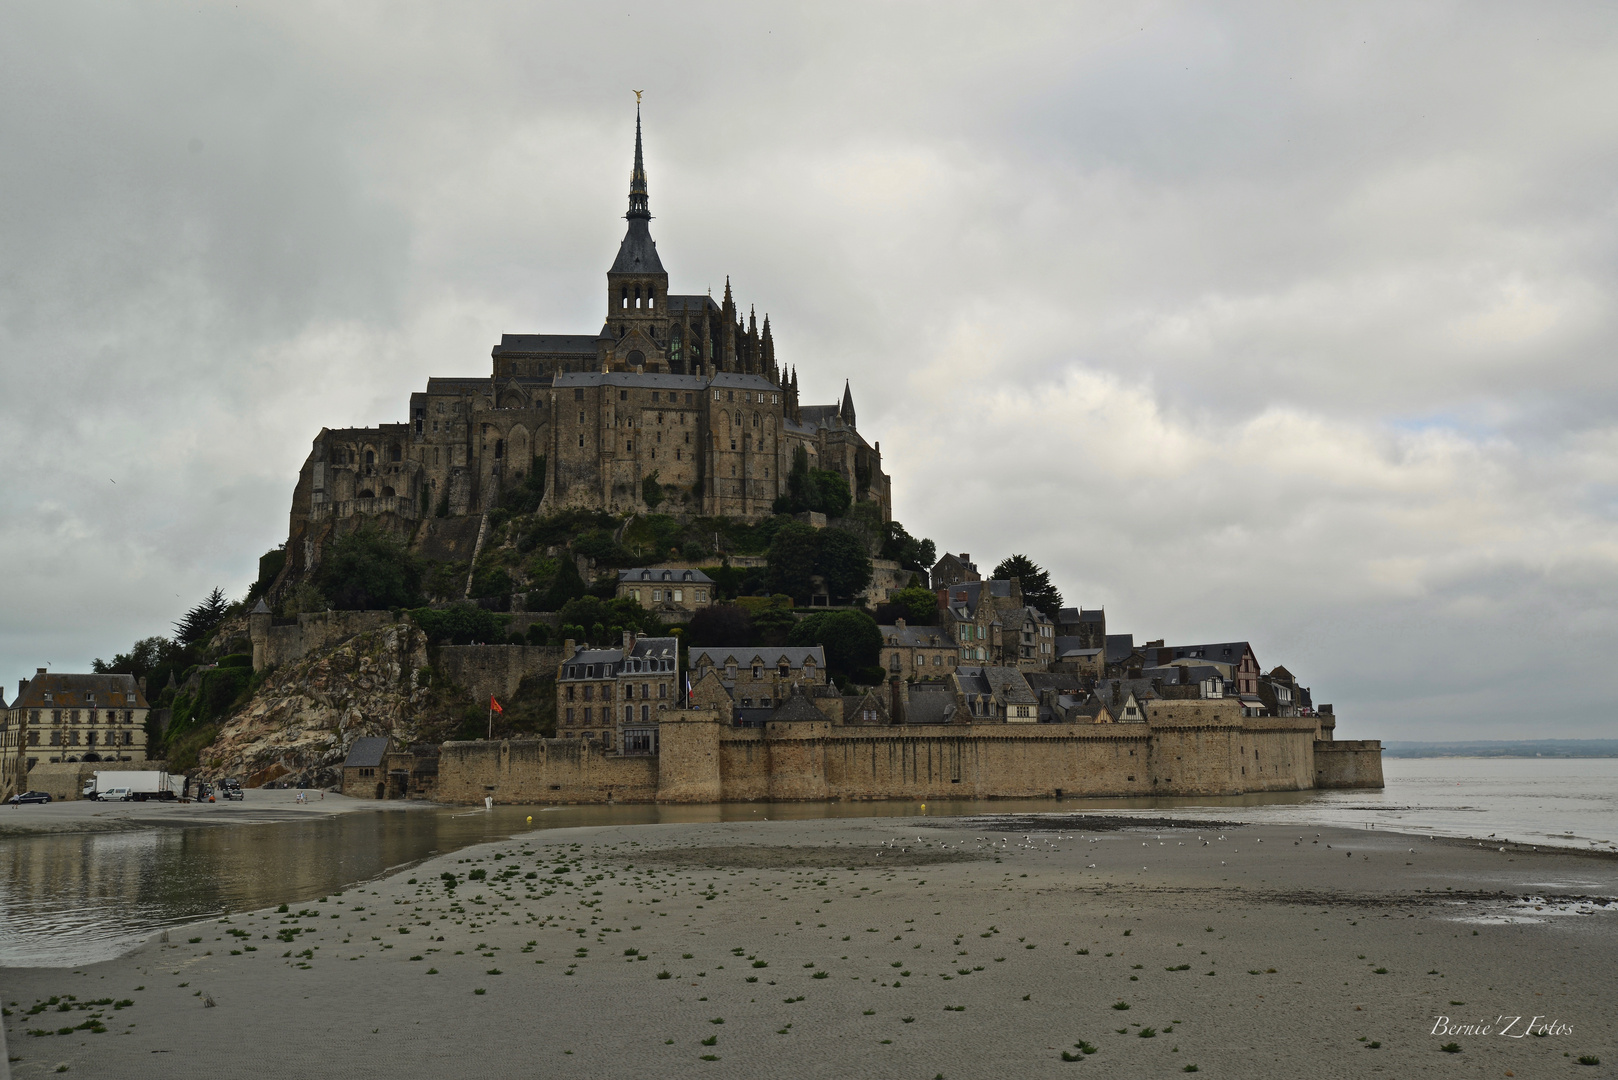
29	797
231	789
113	794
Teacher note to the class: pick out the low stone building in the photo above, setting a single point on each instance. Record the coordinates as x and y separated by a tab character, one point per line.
677	594
611	694
364	770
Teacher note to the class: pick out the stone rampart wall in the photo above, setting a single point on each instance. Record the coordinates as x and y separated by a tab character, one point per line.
1353	763
542	771
275	645
703	761
494	669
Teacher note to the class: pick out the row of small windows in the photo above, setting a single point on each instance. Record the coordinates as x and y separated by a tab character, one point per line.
629	692
112	716
606	716
608	671
72	738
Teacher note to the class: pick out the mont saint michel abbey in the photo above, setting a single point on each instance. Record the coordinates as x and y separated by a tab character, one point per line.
676	386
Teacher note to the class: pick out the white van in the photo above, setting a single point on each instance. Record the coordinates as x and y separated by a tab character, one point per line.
117	794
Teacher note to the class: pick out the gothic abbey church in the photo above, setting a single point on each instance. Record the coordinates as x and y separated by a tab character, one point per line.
674	386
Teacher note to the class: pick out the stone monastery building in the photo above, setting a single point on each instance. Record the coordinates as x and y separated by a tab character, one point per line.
674	386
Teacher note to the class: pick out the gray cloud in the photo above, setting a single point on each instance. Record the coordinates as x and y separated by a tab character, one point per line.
1275	322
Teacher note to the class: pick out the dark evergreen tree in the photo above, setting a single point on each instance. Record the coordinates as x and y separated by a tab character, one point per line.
198	624
1037	590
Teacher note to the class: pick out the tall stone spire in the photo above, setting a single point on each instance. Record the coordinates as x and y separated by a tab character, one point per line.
638	207
847	411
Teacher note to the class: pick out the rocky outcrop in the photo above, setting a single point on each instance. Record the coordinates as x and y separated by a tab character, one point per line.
300	724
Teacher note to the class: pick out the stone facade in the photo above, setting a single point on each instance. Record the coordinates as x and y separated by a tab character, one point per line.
611	694
679	399
917	653
71	718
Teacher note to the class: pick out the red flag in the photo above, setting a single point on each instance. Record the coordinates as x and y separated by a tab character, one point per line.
495	705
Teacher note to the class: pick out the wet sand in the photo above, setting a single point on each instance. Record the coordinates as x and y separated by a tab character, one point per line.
876	947
260	806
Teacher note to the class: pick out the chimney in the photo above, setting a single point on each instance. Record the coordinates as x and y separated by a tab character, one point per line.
629	643
141	682
965	558
568	649
41	671
900	623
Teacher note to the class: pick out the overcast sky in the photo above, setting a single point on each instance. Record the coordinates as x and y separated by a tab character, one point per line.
1290	323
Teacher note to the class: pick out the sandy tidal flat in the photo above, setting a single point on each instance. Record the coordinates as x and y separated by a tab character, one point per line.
883	948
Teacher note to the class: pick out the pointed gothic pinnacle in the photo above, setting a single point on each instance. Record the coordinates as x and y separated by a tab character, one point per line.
638	205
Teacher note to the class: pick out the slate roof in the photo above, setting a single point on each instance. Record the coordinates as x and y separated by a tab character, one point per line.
1004	683
1053	680
582	344
796	709
612	661
746	656
646	379
366	753
919	636
690	302
1226	652
1073	647
657	576
930	705
1119	646
638	252
80	692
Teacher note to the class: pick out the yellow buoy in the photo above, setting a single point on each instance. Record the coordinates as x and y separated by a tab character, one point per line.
530	819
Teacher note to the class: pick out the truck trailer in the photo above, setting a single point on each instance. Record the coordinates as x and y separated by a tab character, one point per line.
112	785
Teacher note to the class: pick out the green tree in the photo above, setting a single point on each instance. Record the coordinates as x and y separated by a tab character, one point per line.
920	606
1037	590
906	550
197	625
566	586
850	638
842	560
651	492
792	559
720	626
368	570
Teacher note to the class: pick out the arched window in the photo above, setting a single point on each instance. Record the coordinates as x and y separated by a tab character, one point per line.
674	346
367	493
398	452
499	448
387	493
755	419
370	457
625	297
637	296
651	297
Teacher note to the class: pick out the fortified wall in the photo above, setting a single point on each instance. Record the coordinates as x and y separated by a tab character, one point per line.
275	645
700	759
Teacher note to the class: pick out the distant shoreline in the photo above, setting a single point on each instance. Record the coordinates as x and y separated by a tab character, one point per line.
1503	748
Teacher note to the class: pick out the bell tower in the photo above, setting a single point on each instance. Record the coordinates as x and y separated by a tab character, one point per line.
637	285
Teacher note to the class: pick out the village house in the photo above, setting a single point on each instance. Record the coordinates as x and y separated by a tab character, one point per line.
994	693
676	593
760	678
954	570
916	653
91	718
613	694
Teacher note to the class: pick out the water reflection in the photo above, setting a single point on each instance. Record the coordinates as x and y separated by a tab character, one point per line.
76	898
